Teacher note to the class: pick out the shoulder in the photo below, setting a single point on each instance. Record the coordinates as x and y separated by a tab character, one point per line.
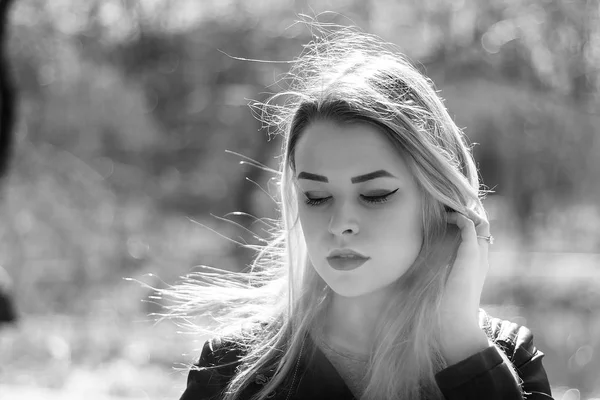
220	353
515	340
224	352
509	369
217	365
213	370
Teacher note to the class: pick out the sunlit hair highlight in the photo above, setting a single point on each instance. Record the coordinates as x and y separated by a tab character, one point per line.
346	77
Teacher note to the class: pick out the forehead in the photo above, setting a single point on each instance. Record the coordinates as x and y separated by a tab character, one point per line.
342	150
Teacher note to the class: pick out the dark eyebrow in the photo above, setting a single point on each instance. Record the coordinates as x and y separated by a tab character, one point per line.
312	177
372	175
357	179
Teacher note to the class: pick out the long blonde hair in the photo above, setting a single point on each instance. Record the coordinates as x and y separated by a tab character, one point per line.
346	76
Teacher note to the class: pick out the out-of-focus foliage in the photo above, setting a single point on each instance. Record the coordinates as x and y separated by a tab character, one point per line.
126	110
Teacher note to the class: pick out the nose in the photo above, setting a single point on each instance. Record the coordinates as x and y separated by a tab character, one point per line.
343	221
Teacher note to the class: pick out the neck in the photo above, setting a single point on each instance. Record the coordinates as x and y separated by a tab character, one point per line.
351	321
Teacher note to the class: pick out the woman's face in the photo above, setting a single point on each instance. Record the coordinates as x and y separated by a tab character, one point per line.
361	197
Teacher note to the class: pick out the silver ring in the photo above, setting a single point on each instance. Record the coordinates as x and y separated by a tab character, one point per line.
489	239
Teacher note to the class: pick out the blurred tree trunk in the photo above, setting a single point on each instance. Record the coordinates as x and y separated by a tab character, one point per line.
6	94
7	312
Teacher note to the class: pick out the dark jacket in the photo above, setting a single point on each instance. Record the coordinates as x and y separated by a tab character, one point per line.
482	376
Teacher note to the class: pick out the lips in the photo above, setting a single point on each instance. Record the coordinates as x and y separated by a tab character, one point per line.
345	253
346	259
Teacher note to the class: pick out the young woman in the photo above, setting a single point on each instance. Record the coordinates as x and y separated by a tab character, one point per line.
371	283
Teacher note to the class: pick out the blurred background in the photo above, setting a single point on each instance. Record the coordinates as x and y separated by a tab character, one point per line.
126	110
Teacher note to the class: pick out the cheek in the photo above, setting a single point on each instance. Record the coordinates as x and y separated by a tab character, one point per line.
312	225
399	231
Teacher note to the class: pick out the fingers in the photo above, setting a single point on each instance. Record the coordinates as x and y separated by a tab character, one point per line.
471	225
466	226
482	225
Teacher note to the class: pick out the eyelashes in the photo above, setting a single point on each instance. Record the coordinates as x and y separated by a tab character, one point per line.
368	199
316	202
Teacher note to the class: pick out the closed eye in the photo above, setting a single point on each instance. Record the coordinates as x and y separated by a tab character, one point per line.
369	199
316	201
378	199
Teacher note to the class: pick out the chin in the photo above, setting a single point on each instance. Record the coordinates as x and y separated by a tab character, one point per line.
351	290
357	288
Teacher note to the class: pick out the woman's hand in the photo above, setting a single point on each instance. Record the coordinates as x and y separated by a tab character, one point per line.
462	336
